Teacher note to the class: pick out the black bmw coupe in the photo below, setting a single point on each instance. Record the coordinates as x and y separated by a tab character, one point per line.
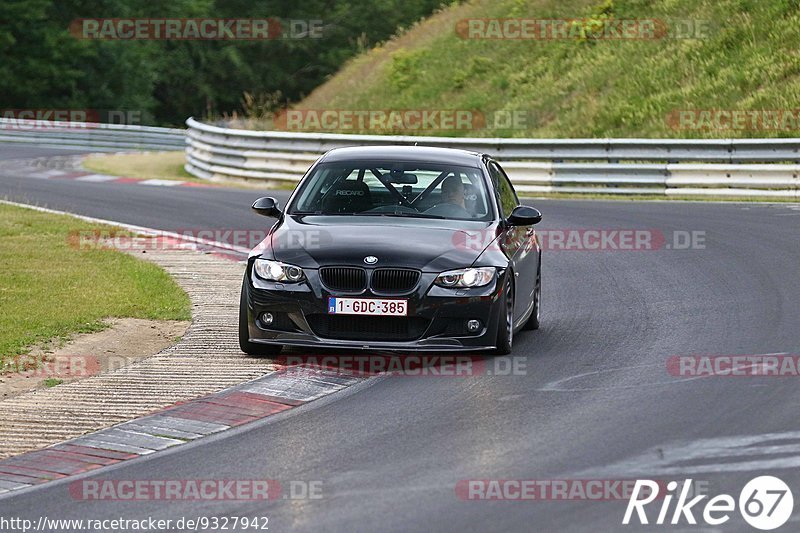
394	248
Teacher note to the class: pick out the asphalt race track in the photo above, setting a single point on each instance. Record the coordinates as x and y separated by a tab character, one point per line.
595	399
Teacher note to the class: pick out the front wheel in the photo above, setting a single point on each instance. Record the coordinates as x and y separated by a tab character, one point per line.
505	323
251	348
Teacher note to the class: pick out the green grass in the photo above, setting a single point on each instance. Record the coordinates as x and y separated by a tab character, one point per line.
50	290
585	88
53	382
148	165
164	166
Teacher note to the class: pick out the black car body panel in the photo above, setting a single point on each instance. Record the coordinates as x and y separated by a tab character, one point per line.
314	241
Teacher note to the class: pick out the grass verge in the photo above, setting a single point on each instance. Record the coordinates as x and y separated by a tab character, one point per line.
50	290
146	165
744	59
162	166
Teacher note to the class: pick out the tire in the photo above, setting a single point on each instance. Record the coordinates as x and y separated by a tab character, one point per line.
252	348
505	319
533	321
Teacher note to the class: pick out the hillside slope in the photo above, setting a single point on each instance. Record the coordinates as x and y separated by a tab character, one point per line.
743	55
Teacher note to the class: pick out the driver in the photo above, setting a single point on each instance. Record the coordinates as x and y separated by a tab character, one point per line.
453	191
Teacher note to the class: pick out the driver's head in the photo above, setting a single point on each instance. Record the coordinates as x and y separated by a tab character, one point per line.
453	191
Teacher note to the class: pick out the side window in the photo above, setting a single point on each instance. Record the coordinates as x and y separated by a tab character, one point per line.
505	191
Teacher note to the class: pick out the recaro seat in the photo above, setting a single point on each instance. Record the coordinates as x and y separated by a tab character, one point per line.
348	197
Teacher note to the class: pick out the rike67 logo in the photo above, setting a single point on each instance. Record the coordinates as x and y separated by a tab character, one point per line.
765	502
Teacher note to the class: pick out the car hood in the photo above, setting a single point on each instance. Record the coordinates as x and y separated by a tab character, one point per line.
424	244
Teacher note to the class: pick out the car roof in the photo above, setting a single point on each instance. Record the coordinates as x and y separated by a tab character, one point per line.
422	154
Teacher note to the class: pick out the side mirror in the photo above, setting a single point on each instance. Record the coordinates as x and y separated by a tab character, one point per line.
267	206
522	215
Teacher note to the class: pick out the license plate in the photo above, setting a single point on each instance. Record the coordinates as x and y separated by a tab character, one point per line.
360	306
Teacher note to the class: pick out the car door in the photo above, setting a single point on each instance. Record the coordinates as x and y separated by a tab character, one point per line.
520	242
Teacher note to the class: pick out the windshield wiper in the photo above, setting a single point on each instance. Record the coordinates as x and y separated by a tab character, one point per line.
368	214
321	213
405	215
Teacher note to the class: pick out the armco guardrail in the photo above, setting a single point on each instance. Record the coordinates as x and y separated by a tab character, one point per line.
94	136
737	167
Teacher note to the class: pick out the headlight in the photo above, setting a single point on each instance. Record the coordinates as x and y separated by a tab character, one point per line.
277	271
466	277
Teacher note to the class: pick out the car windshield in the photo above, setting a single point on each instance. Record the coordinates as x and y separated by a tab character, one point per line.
419	190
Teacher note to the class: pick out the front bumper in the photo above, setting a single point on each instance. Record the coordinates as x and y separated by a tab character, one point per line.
436	321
